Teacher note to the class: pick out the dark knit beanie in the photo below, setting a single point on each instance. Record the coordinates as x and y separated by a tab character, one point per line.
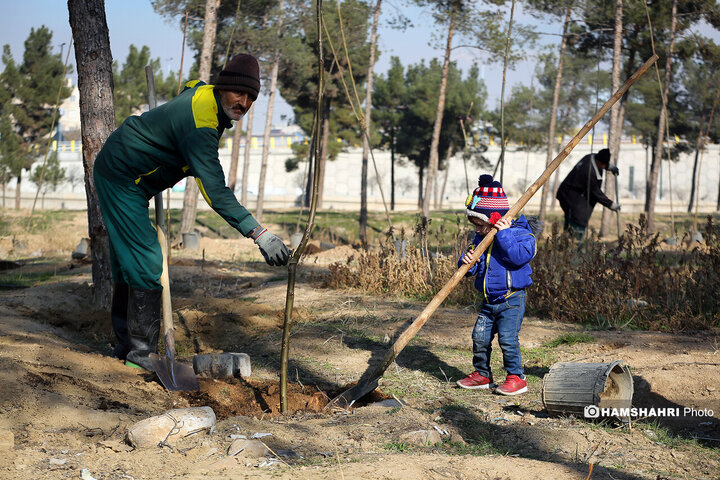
603	156
242	74
488	202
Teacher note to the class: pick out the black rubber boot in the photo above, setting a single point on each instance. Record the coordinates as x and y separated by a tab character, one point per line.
143	321
118	315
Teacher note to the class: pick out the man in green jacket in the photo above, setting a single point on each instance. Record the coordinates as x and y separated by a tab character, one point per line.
148	154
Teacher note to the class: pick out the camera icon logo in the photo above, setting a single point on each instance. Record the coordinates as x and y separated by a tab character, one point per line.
591	411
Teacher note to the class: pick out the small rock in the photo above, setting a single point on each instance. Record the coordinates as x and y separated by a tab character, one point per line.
287	453
57	461
210	452
387	403
85	474
421	437
7	440
672	241
181	422
237	446
637	303
326	246
116	446
457	438
254	449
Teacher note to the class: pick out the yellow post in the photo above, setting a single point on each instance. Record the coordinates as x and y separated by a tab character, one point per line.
289	141
272	142
492	141
54	145
229	143
559	139
604	138
634	139
254	143
72	145
590	140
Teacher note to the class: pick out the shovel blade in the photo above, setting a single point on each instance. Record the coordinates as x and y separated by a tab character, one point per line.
174	376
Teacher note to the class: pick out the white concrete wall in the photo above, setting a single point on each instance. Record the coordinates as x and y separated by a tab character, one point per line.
342	180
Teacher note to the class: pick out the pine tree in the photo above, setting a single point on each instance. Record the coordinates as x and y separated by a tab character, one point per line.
130	92
31	95
51	178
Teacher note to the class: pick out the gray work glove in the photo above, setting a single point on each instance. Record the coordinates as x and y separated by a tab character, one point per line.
613	169
615	207
272	248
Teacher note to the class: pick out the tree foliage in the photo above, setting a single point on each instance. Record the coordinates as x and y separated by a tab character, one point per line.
405	100
130	92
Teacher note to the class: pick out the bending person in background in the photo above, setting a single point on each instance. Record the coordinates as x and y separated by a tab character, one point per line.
580	191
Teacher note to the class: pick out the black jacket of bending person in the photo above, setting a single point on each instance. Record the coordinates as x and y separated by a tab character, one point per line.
580	191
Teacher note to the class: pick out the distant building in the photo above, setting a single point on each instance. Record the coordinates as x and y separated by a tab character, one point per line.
69	115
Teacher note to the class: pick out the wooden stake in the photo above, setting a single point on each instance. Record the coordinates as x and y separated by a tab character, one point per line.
369	381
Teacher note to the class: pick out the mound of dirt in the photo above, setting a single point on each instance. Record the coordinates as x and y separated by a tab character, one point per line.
233	397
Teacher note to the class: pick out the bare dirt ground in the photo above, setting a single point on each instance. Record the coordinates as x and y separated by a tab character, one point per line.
66	404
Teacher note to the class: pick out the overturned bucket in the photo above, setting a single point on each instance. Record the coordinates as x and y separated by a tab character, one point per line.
190	241
585	389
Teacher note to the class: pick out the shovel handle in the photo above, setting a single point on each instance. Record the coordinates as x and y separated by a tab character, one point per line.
167	321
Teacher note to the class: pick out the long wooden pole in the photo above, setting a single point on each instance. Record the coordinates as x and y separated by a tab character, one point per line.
292	265
369	380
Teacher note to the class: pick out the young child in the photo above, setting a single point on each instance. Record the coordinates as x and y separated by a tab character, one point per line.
502	273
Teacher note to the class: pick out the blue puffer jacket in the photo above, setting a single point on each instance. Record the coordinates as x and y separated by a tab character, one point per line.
508	257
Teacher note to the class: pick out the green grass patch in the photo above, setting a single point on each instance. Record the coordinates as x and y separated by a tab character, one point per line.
658	433
397	447
570	339
27	279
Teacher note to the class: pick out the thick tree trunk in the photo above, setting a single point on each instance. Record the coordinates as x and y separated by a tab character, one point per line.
246	156
189	212
615	125
433	163
553	113
97	116
268	119
235	156
366	136
18	187
651	189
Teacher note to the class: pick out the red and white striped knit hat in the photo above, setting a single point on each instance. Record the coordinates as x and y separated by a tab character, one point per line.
488	202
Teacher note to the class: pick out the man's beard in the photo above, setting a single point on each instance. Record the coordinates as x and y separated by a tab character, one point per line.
232	115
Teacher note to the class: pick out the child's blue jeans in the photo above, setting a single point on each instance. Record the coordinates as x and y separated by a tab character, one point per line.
504	319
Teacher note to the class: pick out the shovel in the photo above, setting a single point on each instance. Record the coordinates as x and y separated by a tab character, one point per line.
173	375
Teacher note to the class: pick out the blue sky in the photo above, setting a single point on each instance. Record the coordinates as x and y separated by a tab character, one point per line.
135	22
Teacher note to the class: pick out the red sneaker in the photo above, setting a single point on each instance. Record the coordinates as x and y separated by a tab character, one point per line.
475	381
513	385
